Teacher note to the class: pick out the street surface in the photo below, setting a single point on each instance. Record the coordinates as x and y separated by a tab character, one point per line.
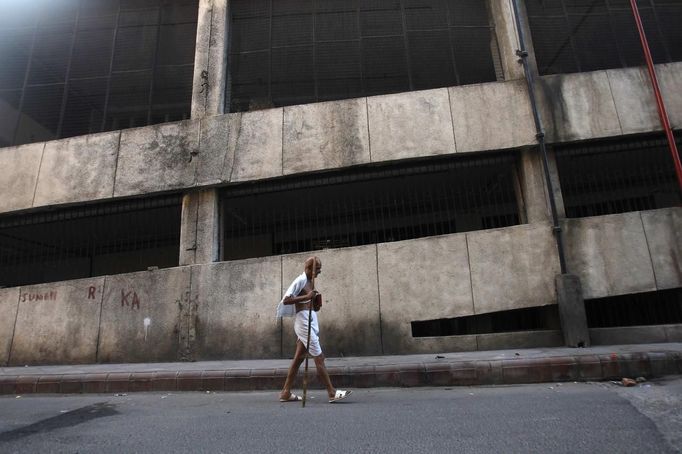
568	417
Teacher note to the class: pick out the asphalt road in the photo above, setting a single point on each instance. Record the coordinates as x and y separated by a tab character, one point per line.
571	417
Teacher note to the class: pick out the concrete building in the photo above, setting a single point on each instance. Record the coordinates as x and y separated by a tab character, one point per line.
168	164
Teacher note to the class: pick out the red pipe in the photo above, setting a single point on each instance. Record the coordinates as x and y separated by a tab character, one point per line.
663	115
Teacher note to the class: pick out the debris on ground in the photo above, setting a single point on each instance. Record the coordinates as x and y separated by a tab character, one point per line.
628	382
120	395
640	379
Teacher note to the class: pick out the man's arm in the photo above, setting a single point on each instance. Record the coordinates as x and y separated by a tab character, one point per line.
299	299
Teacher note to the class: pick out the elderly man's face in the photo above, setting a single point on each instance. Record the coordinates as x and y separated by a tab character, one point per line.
318	269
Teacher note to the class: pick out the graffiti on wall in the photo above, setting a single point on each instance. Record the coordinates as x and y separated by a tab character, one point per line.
130	299
50	295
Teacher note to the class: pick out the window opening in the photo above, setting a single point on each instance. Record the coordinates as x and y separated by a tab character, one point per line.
87	241
369	205
617	176
302	51
652	308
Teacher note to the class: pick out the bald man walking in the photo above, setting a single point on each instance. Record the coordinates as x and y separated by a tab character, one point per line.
296	302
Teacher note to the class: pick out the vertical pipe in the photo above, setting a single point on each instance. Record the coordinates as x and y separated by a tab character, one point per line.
540	135
662	114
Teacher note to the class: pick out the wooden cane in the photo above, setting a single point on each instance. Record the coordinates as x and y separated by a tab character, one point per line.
307	347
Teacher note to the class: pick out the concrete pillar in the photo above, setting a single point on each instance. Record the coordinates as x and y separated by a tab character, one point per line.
507	38
572	311
200	228
210	59
533	195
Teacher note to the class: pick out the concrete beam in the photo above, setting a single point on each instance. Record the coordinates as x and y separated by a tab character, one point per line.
210	59
423	279
157	158
325	136
78	169
609	254
9	304
663	231
350	316
634	100
18	180
492	116
577	106
58	323
670	80
142	316
409	125
513	267
235	316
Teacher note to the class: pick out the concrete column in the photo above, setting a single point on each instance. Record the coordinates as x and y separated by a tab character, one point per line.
534	197
200	228
572	311
210	59
507	40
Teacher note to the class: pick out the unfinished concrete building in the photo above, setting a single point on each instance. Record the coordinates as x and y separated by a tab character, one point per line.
168	164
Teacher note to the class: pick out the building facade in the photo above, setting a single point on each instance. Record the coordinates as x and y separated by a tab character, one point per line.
169	164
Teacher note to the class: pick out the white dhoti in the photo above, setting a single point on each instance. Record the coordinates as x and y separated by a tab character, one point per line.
301	329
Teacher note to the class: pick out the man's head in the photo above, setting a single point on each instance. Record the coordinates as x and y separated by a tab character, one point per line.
309	266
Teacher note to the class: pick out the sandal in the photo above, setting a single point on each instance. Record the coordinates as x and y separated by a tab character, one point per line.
292	398
340	395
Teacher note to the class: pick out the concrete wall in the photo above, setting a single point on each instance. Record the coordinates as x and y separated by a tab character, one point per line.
625	253
9	303
221	149
58	323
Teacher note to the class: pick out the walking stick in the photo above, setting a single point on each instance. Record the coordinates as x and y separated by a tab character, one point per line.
307	347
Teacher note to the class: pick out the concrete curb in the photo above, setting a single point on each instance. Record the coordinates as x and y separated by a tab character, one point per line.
586	367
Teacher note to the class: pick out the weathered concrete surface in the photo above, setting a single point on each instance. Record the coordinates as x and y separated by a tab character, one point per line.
513	267
257	152
78	169
521	339
210	59
663	230
532	194
609	254
492	116
217	143
634	100
507	39
18	179
349	319
58	323
577	106
9	303
157	158
631	335
199	228
236	309
670	80
408	125
161	297
325	136
423	279
572	311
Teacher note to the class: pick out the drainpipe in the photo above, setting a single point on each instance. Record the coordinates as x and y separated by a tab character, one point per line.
662	114
540	134
568	289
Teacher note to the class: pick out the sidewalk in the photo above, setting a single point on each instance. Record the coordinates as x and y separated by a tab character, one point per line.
499	367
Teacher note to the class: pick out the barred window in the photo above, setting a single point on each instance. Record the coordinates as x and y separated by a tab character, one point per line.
300	51
587	35
617	175
72	67
87	241
369	205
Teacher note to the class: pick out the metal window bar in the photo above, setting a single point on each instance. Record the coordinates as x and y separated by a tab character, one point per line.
87	241
367	49
369	205
571	36
617	176
82	104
